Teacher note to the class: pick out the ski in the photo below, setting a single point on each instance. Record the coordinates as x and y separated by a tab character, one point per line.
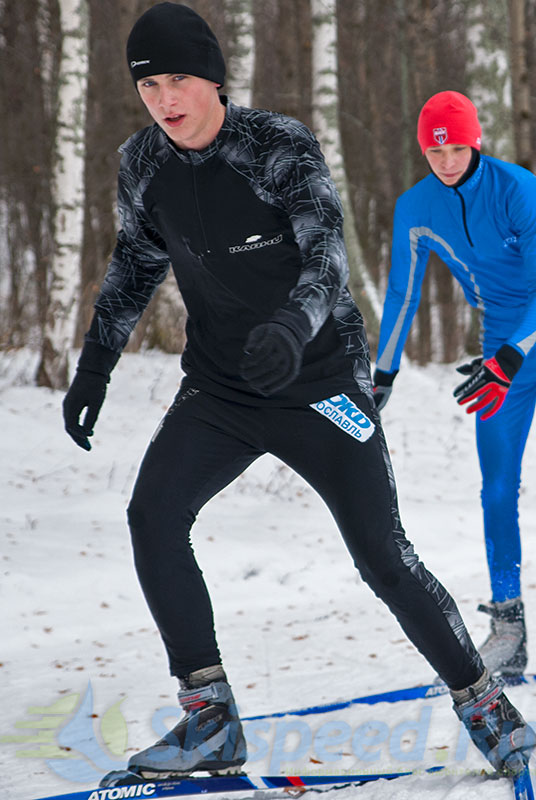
523	786
123	784
426	691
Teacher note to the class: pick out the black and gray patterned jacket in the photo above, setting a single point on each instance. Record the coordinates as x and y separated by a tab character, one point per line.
252	226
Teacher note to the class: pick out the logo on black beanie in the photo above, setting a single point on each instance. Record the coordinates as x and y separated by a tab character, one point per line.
171	38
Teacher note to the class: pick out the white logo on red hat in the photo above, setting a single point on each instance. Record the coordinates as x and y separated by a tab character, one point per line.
440	135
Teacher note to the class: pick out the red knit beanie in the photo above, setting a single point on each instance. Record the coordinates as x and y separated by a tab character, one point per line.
448	118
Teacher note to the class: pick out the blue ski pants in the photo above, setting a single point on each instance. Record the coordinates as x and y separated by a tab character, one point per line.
501	441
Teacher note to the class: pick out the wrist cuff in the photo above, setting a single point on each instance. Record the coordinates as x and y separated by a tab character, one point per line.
381	378
96	358
509	359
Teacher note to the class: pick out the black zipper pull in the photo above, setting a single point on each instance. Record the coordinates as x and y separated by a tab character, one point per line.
464	217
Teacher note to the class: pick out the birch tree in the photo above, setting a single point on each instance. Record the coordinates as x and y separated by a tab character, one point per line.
326	126
241	61
488	74
68	193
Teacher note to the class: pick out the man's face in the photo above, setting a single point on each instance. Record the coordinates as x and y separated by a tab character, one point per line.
186	107
449	161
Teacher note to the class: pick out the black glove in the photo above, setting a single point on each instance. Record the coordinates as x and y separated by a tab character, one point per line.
273	357
489	381
88	390
382	386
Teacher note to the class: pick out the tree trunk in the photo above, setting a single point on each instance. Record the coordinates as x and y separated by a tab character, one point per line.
241	50
326	127
28	31
488	75
520	83
68	183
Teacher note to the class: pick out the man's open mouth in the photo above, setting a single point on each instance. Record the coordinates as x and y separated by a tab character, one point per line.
174	119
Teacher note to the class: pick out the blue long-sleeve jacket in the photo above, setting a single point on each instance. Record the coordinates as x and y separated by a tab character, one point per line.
485	232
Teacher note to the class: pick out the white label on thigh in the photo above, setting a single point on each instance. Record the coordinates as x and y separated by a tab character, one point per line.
344	413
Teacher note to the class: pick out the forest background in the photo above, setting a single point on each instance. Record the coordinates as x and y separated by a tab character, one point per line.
355	71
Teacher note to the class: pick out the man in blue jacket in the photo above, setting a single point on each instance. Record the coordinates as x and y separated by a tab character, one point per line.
479	215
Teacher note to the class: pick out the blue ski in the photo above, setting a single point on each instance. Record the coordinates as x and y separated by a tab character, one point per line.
523	786
122	784
174	788
427	691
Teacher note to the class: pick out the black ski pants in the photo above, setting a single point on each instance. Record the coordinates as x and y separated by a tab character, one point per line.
202	444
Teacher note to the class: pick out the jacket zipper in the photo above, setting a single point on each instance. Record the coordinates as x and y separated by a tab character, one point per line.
197	208
207	248
464	217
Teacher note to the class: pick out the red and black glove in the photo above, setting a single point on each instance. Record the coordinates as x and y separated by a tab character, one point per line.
489	381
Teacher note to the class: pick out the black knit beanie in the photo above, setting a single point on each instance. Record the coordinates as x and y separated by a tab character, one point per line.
171	38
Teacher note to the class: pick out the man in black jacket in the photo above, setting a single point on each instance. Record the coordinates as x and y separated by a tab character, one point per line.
241	203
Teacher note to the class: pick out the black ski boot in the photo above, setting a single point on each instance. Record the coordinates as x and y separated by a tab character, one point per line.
505	650
209	738
494	725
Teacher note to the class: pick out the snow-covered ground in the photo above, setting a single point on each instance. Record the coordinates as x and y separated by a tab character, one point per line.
84	675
